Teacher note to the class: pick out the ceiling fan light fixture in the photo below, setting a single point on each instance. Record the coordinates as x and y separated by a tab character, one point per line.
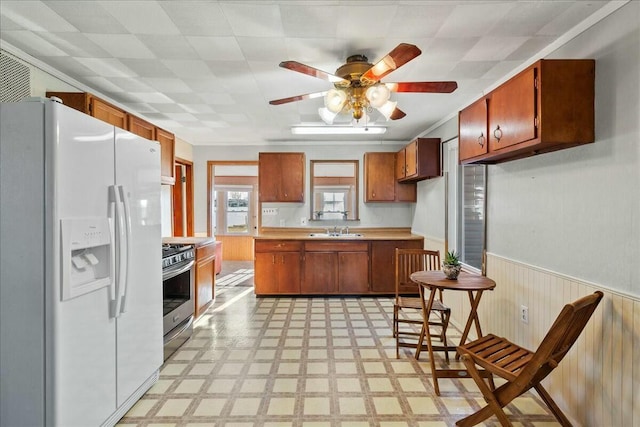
387	109
334	100
326	115
378	95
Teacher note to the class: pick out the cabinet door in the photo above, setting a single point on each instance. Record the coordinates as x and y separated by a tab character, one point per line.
411	159
383	263
380	177
292	177
167	156
141	127
473	130
205	277
353	272
320	273
401	163
268	177
108	113
266	277
512	111
288	272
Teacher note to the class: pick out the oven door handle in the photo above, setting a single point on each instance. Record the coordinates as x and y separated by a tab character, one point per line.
176	271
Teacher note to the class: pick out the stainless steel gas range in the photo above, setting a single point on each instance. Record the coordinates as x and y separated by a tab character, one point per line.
178	278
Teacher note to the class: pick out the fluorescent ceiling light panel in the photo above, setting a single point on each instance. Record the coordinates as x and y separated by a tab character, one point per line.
337	130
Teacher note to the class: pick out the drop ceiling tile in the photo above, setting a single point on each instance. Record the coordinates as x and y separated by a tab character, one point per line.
207	84
217	98
229	68
140	107
35	16
107	67
217	48
103	84
151	97
168	46
198	18
88	16
147	67
234	118
69	66
196	108
316	50
572	16
131	84
309	21
471	69
419	21
188	68
493	48
259	20
365	21
527	18
262	48
75	44
530	48
122	45
473	19
501	69
6	24
239	84
31	43
168	85
212	117
168	108
215	124
185	97
141	17
181	117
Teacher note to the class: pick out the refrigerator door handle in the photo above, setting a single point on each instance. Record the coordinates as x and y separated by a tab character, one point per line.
127	221
113	290
122	256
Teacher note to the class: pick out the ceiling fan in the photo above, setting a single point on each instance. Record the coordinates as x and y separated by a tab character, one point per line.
357	87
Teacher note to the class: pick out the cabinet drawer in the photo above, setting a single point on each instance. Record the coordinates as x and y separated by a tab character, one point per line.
277	246
336	247
203	252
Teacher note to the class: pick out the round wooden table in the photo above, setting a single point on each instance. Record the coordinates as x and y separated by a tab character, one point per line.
474	285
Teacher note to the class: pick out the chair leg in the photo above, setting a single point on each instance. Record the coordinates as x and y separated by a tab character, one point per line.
395	321
445	325
552	405
493	406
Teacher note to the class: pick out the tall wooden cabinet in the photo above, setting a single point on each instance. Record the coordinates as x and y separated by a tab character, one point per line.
380	183
281	177
547	107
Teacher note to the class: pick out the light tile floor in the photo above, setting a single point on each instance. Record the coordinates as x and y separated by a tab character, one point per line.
308	362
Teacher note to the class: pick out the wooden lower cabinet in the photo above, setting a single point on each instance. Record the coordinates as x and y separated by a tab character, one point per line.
205	277
336	268
383	263
277	267
327	267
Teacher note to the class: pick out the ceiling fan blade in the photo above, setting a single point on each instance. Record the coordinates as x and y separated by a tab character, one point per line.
395	59
433	87
314	72
297	98
397	114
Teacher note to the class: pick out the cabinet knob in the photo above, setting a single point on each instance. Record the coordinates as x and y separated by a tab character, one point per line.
481	139
497	133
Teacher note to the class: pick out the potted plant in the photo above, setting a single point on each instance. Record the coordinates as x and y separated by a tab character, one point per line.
451	265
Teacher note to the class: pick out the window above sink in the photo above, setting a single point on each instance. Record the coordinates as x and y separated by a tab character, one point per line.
334	190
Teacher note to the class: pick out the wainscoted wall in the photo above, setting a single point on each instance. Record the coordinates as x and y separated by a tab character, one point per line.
434	244
236	248
599	380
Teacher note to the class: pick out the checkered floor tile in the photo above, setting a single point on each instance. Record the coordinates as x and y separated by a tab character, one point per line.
309	362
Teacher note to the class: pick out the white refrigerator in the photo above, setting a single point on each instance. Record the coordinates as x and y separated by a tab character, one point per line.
80	267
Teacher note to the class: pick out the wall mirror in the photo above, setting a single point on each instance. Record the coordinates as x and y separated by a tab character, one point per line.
334	190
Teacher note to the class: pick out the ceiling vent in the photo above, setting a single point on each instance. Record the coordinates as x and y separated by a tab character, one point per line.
15	82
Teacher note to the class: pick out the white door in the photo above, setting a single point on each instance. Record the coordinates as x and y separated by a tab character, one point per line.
139	327
83	345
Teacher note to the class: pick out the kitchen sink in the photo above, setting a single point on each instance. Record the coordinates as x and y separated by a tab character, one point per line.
336	235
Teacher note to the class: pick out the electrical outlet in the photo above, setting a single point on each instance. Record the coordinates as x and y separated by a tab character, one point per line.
524	314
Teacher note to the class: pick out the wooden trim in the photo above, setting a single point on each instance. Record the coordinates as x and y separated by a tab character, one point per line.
188	195
177	201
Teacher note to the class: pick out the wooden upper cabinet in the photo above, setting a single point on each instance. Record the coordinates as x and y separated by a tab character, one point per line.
548	106
419	160
281	177
380	180
94	106
473	130
167	156
141	127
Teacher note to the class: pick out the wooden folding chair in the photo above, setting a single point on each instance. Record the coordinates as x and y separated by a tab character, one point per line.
409	261
524	369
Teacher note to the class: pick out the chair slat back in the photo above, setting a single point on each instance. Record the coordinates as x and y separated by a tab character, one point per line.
561	336
411	260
